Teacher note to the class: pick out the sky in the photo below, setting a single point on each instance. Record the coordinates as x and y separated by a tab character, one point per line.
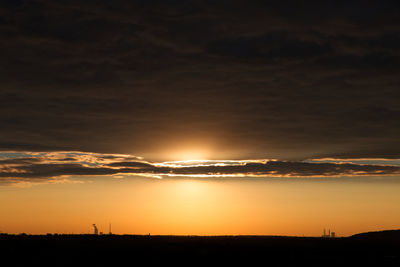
199	117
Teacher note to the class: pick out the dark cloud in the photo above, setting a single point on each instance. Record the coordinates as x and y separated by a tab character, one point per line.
291	169
252	79
132	164
19	161
279	45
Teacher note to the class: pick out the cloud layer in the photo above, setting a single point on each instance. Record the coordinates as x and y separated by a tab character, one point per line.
41	167
264	79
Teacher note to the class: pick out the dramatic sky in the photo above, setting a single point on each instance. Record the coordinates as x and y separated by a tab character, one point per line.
253	96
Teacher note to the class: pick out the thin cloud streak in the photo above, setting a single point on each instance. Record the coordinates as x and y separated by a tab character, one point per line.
53	166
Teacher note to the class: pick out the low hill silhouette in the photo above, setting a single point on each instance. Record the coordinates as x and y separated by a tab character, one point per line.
386	235
366	249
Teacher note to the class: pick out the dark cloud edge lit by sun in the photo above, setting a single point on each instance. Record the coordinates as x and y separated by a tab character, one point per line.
40	167
266	79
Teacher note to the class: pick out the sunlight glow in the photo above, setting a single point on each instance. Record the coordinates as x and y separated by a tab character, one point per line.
191	155
204	162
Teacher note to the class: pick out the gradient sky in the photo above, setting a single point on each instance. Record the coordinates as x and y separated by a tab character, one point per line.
199	117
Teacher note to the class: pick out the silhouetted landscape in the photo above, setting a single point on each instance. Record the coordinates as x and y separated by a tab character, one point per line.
365	249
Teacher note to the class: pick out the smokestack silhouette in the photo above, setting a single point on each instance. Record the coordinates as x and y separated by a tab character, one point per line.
329	234
95	230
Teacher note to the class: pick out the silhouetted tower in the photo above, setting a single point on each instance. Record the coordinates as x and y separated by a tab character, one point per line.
95	230
109	229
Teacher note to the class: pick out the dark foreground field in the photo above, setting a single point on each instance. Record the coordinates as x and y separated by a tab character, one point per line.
370	249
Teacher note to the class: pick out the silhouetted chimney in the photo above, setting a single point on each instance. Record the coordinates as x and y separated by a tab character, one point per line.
95	230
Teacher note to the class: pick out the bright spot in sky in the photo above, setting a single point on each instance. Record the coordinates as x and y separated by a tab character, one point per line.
190	155
191	188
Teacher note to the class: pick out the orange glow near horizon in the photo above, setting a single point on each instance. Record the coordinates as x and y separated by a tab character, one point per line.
201	207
